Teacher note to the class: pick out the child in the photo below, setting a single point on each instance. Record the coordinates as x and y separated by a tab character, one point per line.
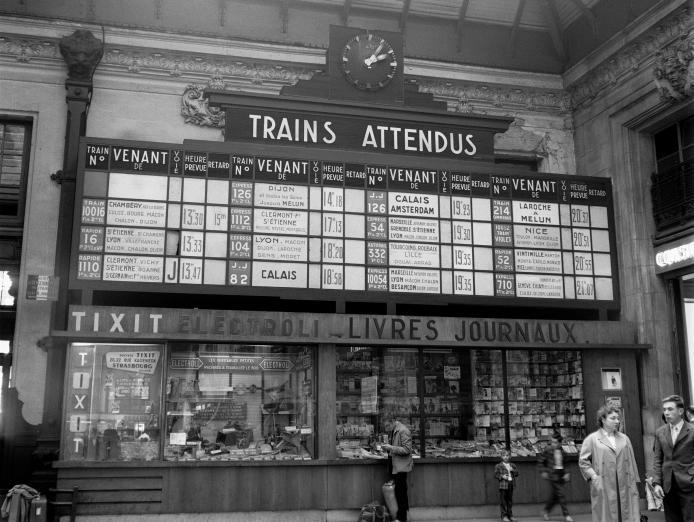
551	464
506	472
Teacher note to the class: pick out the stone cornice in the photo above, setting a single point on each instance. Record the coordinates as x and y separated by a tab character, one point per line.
638	28
119	37
242	65
494	99
632	58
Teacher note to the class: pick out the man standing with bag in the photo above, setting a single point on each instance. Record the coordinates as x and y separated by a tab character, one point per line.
400	457
673	462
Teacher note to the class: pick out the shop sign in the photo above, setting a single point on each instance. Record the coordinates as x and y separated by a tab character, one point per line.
227	362
141	362
674	255
241	326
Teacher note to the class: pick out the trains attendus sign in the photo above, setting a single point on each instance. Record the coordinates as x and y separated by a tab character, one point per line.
357	133
339	125
157	218
239	326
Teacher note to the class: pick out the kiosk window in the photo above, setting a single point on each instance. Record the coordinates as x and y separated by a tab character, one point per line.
545	395
239	402
113	394
458	404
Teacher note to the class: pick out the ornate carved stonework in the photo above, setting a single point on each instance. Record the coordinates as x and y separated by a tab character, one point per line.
82	53
196	110
518	142
633	56
270	78
488	99
673	70
551	148
26	49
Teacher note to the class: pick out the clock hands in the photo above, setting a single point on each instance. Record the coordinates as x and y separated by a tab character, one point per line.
373	59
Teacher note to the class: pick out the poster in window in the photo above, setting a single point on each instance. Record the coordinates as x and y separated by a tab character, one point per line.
369	394
611	379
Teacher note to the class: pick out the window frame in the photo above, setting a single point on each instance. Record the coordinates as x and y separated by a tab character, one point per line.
18	194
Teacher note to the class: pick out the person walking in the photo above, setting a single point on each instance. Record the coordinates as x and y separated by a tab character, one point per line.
551	464
673	462
400	456
607	462
506	473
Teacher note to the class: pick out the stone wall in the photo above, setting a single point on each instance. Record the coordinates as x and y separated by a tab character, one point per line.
619	103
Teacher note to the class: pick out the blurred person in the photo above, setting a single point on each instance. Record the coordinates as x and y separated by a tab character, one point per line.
551	464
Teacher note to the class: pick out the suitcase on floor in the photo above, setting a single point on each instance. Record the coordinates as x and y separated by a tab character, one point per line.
37	511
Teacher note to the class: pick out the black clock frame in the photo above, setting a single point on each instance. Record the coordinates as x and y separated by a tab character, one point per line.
392	92
369	61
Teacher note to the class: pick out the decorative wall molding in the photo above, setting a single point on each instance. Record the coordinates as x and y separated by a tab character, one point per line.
496	99
195	107
267	77
624	64
159	63
82	53
25	50
673	70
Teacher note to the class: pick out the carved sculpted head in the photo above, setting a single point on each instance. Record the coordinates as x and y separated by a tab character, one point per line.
82	53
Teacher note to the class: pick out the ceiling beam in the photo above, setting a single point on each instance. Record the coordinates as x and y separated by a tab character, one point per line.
461	20
555	31
403	15
516	24
587	13
346	8
284	15
222	12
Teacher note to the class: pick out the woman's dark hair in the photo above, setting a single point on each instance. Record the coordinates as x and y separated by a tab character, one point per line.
605	410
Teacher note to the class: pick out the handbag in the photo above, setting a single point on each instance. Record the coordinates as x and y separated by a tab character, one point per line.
373	512
388	490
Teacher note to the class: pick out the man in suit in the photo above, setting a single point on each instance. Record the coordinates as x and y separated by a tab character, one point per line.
400	452
673	462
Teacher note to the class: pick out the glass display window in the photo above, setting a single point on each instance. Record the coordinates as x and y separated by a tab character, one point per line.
112	402
488	419
458	403
545	395
447	404
239	402
373	384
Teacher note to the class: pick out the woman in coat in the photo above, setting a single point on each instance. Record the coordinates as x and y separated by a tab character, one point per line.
607	462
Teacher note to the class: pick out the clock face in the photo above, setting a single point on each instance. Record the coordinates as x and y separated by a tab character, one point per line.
369	61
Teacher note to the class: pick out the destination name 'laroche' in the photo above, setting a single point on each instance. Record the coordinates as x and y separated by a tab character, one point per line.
374	137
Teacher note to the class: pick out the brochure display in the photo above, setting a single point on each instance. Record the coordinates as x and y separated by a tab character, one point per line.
458	404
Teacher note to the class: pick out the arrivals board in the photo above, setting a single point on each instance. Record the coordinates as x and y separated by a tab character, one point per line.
154	217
